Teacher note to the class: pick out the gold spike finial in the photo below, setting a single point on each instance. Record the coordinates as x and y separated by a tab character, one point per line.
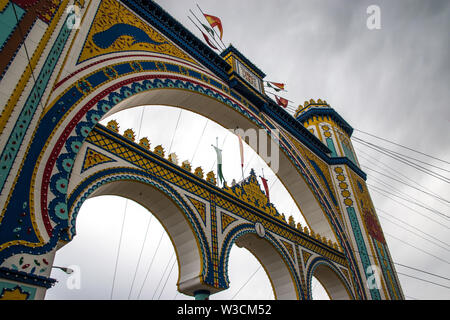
129	134
113	126
145	143
159	150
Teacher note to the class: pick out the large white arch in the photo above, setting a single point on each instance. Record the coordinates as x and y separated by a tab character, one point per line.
173	219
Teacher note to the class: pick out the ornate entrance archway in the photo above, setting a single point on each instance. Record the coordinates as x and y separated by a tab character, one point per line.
146	57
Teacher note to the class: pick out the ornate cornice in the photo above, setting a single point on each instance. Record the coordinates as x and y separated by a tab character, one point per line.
165	23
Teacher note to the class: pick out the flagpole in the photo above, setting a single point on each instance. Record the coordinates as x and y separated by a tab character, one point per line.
198	28
208	22
279	96
269	86
214	38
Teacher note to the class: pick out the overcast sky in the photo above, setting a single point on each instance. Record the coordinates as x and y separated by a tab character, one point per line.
392	82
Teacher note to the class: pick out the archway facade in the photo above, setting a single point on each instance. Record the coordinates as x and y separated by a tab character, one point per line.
55	155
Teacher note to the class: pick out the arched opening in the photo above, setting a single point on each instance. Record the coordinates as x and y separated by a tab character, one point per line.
318	292
225	116
328	279
273	263
248	279
143	267
173	214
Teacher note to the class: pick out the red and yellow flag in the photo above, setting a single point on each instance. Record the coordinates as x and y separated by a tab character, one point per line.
281	101
278	85
214	22
208	41
266	187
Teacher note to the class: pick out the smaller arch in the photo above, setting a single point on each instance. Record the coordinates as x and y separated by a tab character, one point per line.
269	256
331	279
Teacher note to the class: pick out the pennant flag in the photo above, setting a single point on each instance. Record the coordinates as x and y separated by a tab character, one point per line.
208	29
278	86
281	101
241	150
219	164
266	187
214	22
208	41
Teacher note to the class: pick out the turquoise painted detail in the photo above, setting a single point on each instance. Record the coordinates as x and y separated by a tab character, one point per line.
361	247
24	289
17	135
9	22
330	145
385	268
348	153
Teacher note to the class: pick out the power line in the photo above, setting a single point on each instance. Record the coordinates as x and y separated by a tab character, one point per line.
406	184
405	161
402	155
175	131
417	212
418	235
140	256
199	140
151	263
397	144
414	202
437	284
384	184
396	173
167	279
165	269
433	274
424	251
404	222
256	271
118	250
416	269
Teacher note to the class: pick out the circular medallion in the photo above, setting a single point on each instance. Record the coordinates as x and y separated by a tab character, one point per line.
260	230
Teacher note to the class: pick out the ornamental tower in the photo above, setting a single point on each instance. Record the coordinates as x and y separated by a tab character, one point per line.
327	125
358	214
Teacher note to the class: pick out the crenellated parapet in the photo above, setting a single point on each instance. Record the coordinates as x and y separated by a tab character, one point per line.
327	125
248	190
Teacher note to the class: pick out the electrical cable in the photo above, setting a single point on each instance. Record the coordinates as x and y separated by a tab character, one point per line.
407	162
397	144
199	140
162	277
437	284
248	280
118	250
414	202
140	256
400	154
397	173
412	209
415	234
424	251
151	263
175	131
404	222
167	279
430	194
